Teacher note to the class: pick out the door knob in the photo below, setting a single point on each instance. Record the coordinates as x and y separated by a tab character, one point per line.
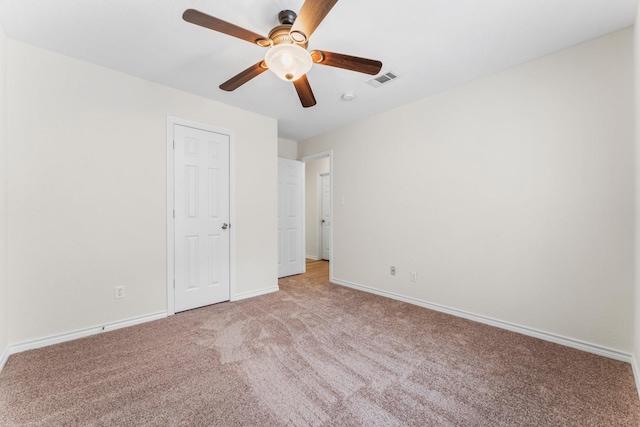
225	226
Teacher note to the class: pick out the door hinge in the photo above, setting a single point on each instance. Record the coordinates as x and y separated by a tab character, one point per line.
174	214
174	283
174	144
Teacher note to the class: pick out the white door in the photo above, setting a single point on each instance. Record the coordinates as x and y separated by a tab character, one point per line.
290	217
202	209
326	216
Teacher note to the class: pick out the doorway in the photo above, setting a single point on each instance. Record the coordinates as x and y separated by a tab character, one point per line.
317	165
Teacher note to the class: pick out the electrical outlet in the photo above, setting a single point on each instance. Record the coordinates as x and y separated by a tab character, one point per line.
414	276
119	292
392	270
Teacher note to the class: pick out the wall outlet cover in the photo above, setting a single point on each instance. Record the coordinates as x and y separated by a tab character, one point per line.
119	292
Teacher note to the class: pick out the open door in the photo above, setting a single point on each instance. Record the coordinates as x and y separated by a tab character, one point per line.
290	217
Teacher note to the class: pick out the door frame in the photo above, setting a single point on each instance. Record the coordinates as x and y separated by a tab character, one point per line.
320	203
308	158
171	121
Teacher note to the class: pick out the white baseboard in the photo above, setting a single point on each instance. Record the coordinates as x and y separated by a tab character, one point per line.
312	257
81	333
257	293
636	373
3	358
568	342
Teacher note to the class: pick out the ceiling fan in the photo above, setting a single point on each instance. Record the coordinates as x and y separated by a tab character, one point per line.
287	56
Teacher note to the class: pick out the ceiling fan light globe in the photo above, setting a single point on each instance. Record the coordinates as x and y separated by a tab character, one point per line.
288	61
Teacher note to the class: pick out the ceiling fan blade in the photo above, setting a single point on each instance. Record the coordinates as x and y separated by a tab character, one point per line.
199	18
241	78
310	16
348	62
304	92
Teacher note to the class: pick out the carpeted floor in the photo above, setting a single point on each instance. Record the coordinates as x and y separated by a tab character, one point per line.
315	354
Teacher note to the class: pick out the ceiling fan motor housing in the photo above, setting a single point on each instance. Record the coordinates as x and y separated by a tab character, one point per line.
280	35
287	17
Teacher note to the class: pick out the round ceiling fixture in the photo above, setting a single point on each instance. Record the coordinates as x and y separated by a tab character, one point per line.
349	96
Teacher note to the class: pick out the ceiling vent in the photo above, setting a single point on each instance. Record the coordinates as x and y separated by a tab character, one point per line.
382	79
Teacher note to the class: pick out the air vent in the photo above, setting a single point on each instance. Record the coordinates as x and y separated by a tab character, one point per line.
382	79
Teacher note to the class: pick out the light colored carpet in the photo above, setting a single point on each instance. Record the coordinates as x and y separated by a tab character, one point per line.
315	354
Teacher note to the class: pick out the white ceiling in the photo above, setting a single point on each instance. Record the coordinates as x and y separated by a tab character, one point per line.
432	44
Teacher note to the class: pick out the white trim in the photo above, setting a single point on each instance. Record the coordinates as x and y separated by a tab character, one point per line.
636	373
320	219
303	212
232	213
81	333
315	156
257	293
170	238
557	339
4	358
312	258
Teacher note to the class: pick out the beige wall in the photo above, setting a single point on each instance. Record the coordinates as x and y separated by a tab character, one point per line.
4	286
287	149
512	197
87	196
312	218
